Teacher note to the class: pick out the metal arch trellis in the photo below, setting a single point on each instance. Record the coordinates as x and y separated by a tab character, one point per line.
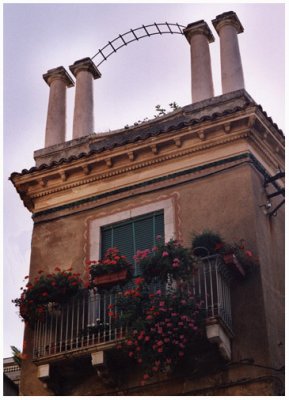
136	34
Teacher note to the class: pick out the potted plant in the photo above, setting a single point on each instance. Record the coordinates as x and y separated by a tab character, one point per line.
113	268
206	243
244	259
236	257
162	326
165	260
45	292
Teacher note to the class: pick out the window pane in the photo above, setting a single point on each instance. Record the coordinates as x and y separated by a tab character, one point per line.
159	226
136	234
106	240
123	240
144	234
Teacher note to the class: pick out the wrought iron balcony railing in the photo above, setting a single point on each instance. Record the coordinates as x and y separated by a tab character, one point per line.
84	323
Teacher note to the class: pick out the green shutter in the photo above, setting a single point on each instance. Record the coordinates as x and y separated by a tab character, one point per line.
106	240
135	234
123	240
159	225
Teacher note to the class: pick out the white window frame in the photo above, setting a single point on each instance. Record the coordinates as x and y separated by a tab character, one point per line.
167	206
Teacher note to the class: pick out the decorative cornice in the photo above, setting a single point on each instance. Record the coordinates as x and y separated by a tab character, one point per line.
144	164
152	151
232	161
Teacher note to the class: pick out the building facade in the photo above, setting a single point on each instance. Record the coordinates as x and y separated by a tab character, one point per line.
11	377
209	165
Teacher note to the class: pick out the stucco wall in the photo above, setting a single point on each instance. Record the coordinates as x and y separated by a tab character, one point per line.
227	202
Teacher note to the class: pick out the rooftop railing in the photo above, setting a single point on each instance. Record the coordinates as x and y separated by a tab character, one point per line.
84	323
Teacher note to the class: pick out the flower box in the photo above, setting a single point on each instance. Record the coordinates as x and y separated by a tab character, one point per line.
231	260
111	278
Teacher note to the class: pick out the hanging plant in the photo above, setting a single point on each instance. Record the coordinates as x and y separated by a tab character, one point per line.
207	243
237	257
162	326
46	291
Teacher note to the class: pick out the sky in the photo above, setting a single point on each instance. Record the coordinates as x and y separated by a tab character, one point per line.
151	71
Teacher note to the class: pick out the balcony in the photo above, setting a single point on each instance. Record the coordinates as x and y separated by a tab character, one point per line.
84	325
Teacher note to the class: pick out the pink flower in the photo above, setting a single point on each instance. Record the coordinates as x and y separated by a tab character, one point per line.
138	281
162	303
165	254
160	343
149	317
130	354
129	342
145	377
160	349
147	338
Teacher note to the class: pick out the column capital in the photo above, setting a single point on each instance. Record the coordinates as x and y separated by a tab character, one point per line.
227	18
58	73
198	27
85	64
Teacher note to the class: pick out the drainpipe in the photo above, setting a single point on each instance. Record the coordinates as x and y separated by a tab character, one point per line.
85	72
228	27
57	79
199	36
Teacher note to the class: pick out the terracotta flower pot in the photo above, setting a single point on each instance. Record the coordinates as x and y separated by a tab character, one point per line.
231	260
111	278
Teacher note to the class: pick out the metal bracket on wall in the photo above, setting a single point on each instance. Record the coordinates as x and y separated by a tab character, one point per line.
278	192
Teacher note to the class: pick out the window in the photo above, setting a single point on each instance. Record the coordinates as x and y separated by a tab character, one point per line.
130	230
121	216
128	236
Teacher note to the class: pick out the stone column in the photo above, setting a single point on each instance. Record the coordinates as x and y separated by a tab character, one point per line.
199	36
228	26
85	72
57	79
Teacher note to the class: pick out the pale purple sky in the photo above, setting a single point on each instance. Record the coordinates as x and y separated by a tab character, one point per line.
152	71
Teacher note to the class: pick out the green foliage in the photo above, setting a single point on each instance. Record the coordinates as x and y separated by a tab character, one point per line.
164	260
113	261
16	354
206	243
163	325
56	287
